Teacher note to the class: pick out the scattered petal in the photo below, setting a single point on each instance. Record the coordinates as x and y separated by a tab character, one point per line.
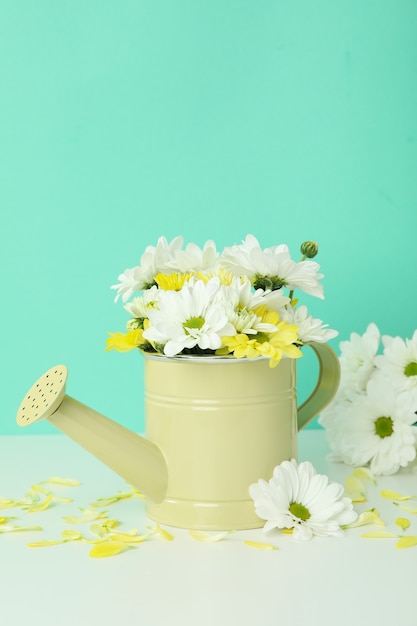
71	535
381	534
199	535
406	542
402	522
41	506
355	489
107	548
45	543
66	482
101	502
408	509
87	516
364	473
16	529
260	545
5	503
163	533
367	517
41	489
394	495
4	520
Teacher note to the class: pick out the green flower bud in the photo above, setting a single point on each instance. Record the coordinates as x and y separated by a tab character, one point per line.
309	249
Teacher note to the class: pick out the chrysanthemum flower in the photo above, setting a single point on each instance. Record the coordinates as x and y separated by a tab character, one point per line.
189	318
297	497
155	259
195	259
357	358
399	364
272	268
309	329
271	345
375	428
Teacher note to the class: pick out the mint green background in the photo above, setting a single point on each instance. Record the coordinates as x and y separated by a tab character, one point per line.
125	120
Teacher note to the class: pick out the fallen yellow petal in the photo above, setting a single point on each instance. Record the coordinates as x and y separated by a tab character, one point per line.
365	474
107	548
4	520
45	543
381	534
101	502
42	506
402	522
260	545
5	503
87	516
16	529
41	489
66	482
408	509
406	542
394	495
164	533
71	535
199	535
355	489
366	517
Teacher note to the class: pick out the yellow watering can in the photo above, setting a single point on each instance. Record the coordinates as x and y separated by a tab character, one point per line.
213	426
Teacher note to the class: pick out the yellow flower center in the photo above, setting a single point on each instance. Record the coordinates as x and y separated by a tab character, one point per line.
193	323
384	427
300	511
411	369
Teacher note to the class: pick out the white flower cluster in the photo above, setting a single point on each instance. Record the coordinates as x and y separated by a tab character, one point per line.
193	297
373	418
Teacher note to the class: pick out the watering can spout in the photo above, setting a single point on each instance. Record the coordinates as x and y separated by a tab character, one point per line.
139	461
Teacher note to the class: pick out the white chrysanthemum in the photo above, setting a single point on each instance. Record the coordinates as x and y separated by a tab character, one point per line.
139	306
155	259
195	259
309	329
241	303
299	498
193	316
399	364
375	428
357	357
272	267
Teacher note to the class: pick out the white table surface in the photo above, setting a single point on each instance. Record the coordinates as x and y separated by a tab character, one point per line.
348	580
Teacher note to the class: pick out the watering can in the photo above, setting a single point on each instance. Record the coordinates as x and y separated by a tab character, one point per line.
213	426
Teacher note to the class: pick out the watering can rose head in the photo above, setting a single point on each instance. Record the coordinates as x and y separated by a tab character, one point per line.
240	302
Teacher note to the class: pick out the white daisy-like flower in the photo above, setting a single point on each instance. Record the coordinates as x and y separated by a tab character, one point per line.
309	328
297	497
139	306
272	267
357	357
155	259
375	428
193	316
195	259
399	364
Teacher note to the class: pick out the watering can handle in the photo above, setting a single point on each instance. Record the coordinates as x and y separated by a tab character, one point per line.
326	387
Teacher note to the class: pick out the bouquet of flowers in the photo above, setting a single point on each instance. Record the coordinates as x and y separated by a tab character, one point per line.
237	303
372	419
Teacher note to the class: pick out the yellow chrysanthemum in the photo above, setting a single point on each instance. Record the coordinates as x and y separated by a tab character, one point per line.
172	282
223	275
271	345
124	342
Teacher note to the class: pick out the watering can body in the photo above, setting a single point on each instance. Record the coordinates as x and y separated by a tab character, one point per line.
213	427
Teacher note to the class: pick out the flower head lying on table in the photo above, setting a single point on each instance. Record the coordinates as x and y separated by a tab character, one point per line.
298	498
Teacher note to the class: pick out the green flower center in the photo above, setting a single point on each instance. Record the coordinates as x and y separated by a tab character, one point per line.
411	369
193	322
300	511
268	282
384	427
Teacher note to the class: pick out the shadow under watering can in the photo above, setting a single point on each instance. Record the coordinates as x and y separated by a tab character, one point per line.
213	427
